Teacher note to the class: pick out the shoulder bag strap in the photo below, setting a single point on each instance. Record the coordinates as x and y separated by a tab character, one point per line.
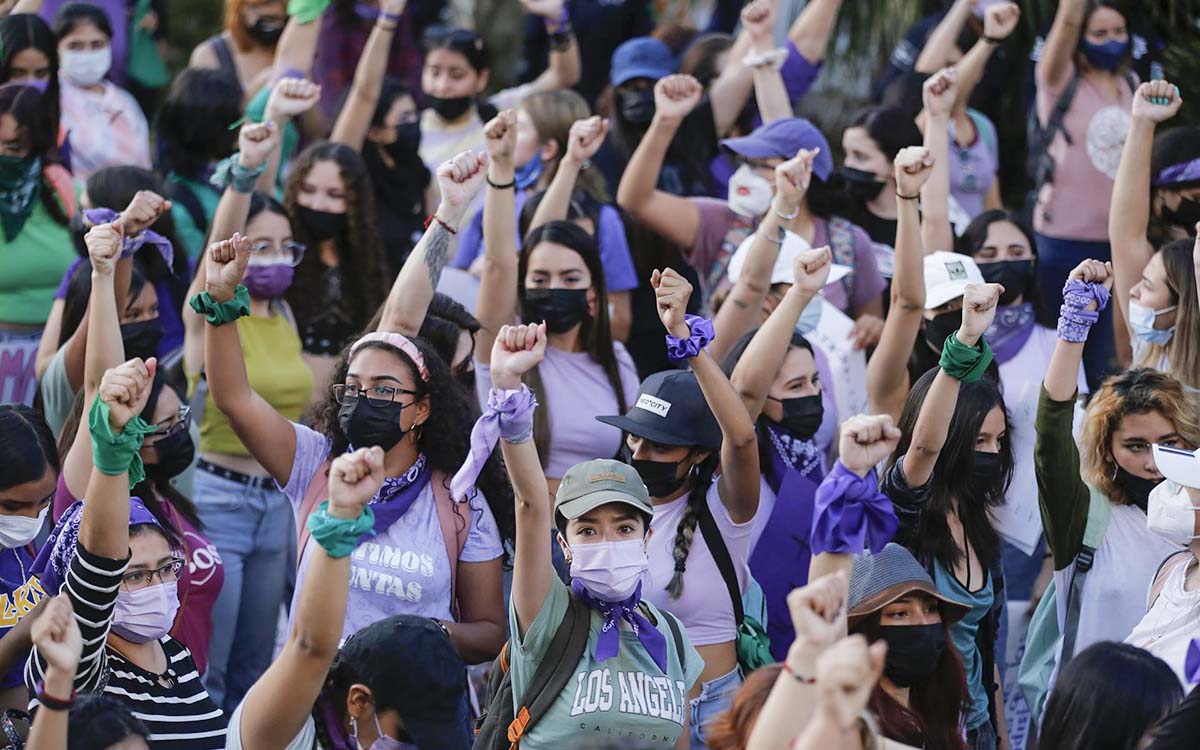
554	671
318	490
455	527
1164	570
720	555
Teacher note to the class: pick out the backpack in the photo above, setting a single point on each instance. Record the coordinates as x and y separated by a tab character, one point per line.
454	527
1041	642
500	726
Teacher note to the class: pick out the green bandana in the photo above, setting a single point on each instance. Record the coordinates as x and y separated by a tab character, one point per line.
20	185
339	536
306	11
116	452
966	364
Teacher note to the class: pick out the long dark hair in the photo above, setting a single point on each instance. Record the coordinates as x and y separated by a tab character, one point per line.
1177	730
474	50
931	718
73	14
973	237
193	125
1106	698
444	438
22	31
25	105
891	128
365	280
27	448
594	332
953	475
79	291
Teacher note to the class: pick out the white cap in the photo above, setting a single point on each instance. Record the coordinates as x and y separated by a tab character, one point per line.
947	276
793	245
1179	465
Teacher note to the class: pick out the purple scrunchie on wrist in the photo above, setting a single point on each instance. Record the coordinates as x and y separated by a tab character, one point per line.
1074	319
509	414
850	514
134	243
702	332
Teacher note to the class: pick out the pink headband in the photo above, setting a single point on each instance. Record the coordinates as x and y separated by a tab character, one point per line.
401	342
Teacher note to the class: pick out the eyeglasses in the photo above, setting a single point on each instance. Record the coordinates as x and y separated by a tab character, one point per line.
140	579
181	423
294	249
376	395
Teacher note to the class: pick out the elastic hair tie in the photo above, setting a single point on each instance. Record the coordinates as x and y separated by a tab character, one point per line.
401	342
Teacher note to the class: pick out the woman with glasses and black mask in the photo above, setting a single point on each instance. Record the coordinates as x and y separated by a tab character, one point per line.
167	451
433	550
247	517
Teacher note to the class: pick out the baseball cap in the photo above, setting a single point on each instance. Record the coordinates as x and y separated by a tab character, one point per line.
1180	465
878	580
411	667
642	57
947	275
670	410
793	245
604	480
781	139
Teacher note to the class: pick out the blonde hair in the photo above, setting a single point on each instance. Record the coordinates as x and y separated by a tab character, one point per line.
1136	391
553	113
1182	352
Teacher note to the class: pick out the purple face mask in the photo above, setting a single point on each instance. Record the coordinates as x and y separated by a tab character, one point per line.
269	281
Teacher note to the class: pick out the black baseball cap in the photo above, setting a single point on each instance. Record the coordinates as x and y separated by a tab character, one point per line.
671	410
410	666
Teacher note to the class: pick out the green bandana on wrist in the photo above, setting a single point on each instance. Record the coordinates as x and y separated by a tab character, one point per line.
339	536
965	364
115	453
220	313
305	11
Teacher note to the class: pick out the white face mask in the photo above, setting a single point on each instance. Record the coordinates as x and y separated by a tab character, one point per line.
1170	513
610	570
85	68
1141	322
17	531
757	198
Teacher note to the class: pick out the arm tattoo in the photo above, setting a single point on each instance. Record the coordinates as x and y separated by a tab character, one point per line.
437	249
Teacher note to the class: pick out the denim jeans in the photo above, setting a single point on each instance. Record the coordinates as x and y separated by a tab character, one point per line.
1056	258
983	738
254	530
715	697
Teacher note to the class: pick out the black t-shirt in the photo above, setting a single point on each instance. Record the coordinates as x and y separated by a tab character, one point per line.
646	342
686	171
879	230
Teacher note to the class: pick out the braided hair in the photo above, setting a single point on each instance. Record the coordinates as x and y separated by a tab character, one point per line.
699	480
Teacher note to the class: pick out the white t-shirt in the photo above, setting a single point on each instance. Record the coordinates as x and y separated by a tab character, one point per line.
305	740
1171	623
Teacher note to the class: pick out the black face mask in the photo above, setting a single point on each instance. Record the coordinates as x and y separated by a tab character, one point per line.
364	424
449	109
266	30
913	651
802	416
1185	216
659	476
940	327
141	339
861	185
1014	275
1135	488
989	472
466	379
322	225
562	309
408	140
175	454
637	107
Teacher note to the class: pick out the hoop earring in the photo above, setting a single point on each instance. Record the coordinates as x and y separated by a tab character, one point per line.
414	434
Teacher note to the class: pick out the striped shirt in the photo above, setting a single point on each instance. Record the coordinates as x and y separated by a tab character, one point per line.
179	714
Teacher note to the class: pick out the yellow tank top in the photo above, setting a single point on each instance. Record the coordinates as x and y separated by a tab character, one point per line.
271	349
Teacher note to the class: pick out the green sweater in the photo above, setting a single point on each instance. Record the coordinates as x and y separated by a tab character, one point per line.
32	266
1062	494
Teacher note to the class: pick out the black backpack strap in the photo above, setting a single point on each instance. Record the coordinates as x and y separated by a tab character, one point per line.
1083	564
224	55
720	555
1059	113
676	635
555	669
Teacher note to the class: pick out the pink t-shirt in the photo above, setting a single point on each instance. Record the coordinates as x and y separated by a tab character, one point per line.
198	587
1075	206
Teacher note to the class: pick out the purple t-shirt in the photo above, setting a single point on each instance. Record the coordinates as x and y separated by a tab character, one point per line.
720	231
19	594
619	272
576	391
973	168
168	315
404	570
798	77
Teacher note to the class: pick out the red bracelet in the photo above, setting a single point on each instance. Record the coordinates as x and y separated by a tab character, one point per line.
798	677
434	217
52	703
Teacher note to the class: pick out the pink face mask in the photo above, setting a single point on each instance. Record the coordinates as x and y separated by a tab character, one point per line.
146	614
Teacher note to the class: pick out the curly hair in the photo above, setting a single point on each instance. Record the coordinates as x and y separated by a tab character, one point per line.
358	248
444	438
1138	391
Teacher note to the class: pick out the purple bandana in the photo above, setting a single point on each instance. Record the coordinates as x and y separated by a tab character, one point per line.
851	514
52	561
1188	171
397	495
133	244
1191	666
1010	330
609	640
508	414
